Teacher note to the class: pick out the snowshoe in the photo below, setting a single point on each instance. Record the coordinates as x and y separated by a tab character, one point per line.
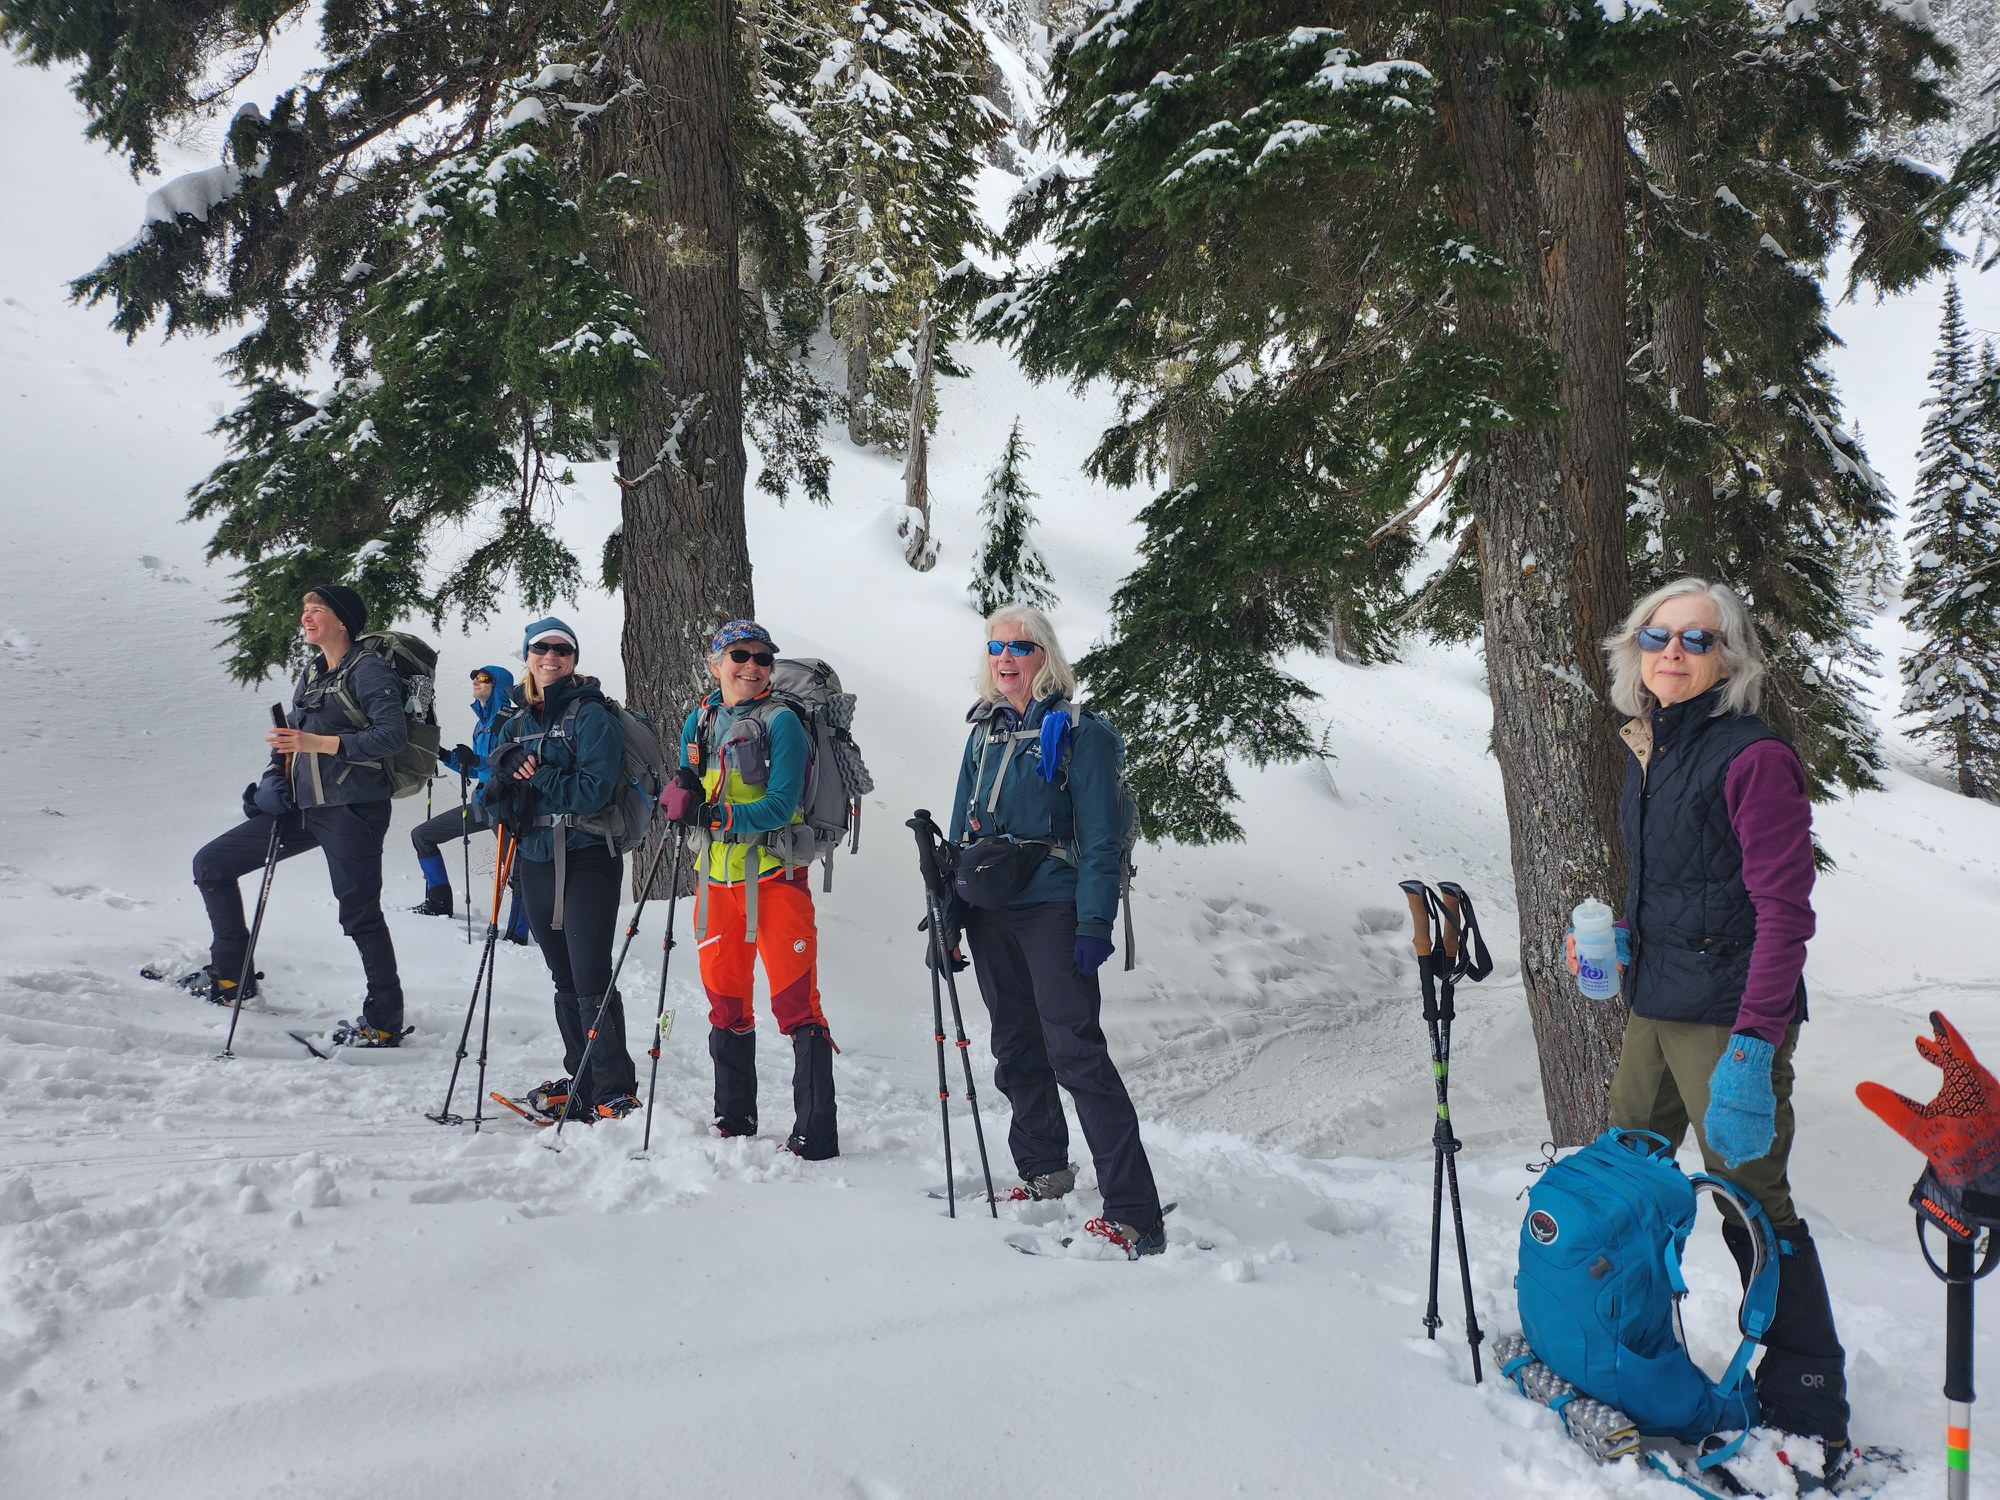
203	983
731	1126
1044	1187
549	1097
358	1033
618	1106
436	902
1133	1241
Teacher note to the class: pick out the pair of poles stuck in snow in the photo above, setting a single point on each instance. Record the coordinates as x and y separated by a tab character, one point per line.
1449	948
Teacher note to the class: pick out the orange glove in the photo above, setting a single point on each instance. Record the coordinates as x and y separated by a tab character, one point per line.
1959	1130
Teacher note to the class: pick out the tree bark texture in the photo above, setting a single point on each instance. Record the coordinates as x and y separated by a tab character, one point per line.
1680	334
686	557
920	552
1540	185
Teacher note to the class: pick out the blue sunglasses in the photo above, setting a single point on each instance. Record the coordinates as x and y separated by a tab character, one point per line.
1695	642
1012	648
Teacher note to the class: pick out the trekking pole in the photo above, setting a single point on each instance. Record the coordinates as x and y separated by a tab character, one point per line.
502	863
1465	949
263	898
660	1020
611	988
465	844
1442	956
929	839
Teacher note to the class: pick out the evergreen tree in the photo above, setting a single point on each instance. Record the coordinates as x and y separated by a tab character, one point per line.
1952	679
899	119
1764	148
1007	568
501	237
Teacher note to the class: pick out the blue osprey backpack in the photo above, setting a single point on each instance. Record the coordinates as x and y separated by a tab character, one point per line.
1600	1285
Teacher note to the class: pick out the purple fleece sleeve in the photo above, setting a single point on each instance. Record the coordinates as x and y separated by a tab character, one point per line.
1766	793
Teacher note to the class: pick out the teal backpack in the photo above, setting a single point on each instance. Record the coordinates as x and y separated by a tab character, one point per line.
1600	1287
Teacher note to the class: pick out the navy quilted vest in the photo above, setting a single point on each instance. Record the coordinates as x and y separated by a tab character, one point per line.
1691	918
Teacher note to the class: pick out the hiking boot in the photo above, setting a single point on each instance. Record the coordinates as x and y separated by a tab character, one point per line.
617	1107
1817	1464
730	1126
1043	1187
358	1033
1133	1241
549	1097
205	984
436	902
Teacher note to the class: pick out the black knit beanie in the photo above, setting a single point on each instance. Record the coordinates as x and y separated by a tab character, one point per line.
345	604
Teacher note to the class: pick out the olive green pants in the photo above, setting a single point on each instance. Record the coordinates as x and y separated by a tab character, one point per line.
1662	1085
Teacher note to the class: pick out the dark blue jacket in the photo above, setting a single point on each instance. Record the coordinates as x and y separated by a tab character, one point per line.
1693	924
338	779
1079	810
488	719
575	773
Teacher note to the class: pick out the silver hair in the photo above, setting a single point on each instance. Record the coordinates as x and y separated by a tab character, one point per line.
1054	675
1742	652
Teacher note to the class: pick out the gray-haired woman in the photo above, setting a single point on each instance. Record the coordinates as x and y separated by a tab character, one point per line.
1718	906
1038	789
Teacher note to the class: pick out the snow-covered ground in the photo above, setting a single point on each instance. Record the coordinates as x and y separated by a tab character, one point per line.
275	1275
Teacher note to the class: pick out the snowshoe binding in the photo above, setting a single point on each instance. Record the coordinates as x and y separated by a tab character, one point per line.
436	902
358	1033
618	1106
1043	1187
1133	1241
549	1097
203	983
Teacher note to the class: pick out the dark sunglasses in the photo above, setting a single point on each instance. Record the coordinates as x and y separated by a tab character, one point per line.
1012	648
553	648
1695	642
483	679
740	656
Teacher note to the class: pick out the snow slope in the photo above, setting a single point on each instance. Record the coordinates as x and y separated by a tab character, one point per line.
275	1275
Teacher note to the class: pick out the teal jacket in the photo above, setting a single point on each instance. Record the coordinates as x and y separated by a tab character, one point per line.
1079	809
577	775
760	776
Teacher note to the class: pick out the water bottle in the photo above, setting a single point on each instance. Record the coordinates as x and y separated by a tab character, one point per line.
1596	950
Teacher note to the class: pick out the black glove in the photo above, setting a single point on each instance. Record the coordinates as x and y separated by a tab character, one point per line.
955	958
271	797
511	804
464	760
507	760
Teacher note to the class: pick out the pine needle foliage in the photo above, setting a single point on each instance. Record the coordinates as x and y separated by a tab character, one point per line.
411	243
1008	569
1952	679
1258	258
1764	152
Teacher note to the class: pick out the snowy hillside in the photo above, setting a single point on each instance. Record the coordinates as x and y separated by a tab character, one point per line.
276	1276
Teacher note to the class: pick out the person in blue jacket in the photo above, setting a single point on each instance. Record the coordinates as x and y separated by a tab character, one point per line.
335	799
561	758
1041	776
492	687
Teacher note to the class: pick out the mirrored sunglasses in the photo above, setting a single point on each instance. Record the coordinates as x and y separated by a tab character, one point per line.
553	648
484	679
1012	648
1695	642
738	655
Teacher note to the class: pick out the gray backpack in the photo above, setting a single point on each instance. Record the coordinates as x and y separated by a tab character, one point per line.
836	778
414	661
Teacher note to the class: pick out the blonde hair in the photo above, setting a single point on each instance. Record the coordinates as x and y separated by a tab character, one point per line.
1742	653
1053	676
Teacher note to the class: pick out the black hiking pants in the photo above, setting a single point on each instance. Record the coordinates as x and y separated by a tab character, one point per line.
350	835
447	827
1045	1034
579	960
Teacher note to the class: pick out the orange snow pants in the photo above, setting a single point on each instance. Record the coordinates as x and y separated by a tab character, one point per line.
787	941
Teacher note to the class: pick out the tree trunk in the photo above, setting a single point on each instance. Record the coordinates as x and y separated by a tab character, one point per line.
681	462
1680	334
920	552
1549	503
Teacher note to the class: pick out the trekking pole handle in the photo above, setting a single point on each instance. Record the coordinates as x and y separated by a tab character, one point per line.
278	722
1449	928
928	834
1420	918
